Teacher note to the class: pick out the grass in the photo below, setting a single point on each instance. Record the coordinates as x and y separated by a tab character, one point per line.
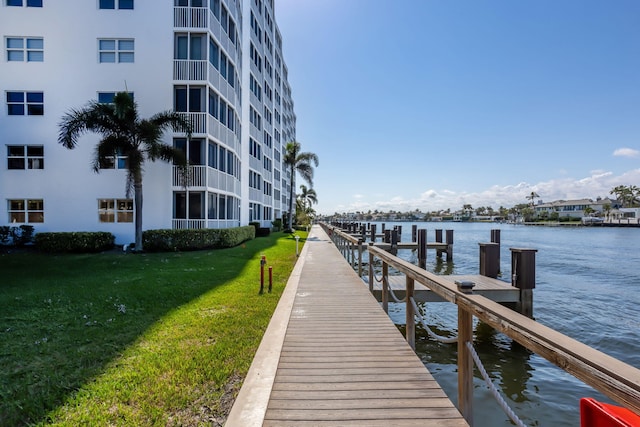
148	339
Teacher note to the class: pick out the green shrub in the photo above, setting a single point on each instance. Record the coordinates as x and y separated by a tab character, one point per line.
277	224
75	242
190	240
5	233
263	232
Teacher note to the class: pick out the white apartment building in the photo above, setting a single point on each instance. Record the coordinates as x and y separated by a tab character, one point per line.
219	62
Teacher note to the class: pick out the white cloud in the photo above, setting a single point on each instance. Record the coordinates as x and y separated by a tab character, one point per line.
626	152
598	184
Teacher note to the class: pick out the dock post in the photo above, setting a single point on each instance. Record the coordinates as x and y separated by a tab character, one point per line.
410	315
439	240
360	250
372	277
465	365
489	259
495	238
385	287
373	233
449	241
399	229
414	233
523	277
394	242
383	227
422	248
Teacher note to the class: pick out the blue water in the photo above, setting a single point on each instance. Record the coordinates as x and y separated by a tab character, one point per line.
587	287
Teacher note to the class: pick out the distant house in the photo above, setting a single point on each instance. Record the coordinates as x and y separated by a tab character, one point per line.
576	208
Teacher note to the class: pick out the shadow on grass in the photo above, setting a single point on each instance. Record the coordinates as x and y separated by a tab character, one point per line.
65	318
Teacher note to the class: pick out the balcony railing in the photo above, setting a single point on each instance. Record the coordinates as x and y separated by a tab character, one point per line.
189	69
196	176
198	121
190	17
179	224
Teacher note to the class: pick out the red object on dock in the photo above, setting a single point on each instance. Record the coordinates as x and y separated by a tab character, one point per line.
598	414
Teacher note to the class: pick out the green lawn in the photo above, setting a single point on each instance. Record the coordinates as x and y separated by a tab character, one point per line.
147	339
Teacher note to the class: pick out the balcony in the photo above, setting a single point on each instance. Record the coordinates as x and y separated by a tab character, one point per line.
190	17
196	177
189	69
198	121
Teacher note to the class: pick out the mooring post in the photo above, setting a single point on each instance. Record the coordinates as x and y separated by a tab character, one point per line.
465	365
383	227
439	240
385	286
523	277
489	259
399	229
495	238
394	242
373	233
449	241
360	250
387	236
422	248
410	315
414	233
372	277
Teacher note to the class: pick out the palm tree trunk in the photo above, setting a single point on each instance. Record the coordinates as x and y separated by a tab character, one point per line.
291	201
137	195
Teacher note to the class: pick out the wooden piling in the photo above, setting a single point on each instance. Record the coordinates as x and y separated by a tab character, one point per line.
449	242
465	365
422	248
414	233
489	259
439	240
373	232
410	315
385	286
523	277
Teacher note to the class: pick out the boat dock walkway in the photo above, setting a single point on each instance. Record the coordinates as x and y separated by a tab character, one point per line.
332	357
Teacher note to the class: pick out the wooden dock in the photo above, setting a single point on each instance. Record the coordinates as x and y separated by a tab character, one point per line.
332	357
494	289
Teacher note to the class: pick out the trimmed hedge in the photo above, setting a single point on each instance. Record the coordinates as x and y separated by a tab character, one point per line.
74	242
191	240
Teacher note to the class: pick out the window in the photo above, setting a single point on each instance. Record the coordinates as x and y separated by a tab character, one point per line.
31	103
192	99
116	4
116	50
119	161
189	47
29	3
25	49
115	210
26	211
25	157
107	97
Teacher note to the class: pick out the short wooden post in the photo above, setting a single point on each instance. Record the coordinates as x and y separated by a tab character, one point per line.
410	315
523	277
422	248
384	226
495	238
439	240
414	233
387	236
399	230
449	241
489	259
371	274
360	250
394	242
465	365
385	286
373	233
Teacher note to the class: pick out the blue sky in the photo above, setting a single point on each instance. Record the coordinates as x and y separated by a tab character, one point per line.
433	104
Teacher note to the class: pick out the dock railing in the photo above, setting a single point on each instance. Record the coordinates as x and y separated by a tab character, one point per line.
612	377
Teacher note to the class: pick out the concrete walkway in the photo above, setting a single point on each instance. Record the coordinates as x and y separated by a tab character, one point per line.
332	357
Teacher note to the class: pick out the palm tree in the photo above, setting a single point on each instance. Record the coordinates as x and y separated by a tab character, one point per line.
301	162
125	133
533	196
308	196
